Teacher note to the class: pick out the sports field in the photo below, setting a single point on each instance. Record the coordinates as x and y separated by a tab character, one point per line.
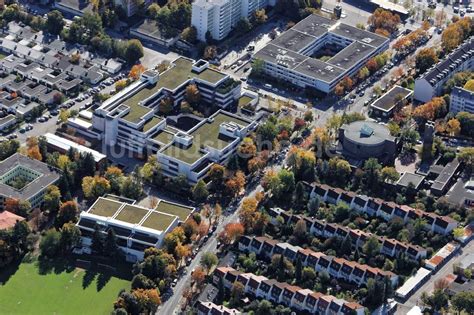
70	291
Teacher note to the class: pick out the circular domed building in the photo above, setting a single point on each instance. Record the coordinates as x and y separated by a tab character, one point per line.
367	139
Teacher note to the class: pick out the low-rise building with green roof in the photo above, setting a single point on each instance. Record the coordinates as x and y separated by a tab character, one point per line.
137	228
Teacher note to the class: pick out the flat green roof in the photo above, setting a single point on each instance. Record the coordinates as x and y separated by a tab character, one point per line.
207	134
131	214
180	211
158	221
105	207
136	112
172	78
244	100
164	137
151	123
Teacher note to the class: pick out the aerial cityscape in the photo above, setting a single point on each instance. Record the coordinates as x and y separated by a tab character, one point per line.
233	157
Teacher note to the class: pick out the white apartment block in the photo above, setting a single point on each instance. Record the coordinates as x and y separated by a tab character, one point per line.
295	56
219	17
462	100
431	83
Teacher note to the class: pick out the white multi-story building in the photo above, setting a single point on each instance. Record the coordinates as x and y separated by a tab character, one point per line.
462	100
318	52
431	83
128	118
218	17
191	153
184	144
137	228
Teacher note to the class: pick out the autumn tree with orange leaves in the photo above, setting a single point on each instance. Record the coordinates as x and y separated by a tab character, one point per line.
198	276
136	71
431	110
33	150
231	233
235	184
455	34
384	22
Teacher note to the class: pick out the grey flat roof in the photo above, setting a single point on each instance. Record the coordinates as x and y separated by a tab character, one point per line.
314	24
293	40
351	55
445	176
355	33
313	67
408	177
459	192
275	54
49	175
288	49
387	101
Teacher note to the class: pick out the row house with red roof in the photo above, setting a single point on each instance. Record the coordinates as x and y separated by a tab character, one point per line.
283	293
383	209
338	268
321	228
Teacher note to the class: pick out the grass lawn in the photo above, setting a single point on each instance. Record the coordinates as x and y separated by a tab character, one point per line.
69	291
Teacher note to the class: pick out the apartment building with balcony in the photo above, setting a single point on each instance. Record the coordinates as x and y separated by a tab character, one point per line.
462	100
218	17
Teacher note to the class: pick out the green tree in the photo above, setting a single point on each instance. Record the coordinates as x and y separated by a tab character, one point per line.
19	235
200	192
55	22
67	213
437	300
463	301
70	237
134	51
466	157
371	246
97	243
371	172
341	212
257	66
389	174
237	292
111	248
132	187
209	260
50	243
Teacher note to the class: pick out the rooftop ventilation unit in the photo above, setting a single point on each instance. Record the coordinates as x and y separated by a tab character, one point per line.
367	40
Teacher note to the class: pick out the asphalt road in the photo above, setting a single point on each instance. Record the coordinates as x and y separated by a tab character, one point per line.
428	287
171	305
